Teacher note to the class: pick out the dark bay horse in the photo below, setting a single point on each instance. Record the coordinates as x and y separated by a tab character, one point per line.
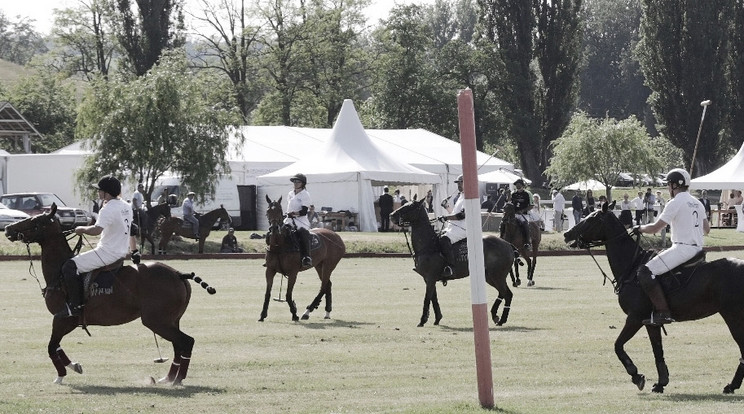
429	262
713	287
176	225
154	292
513	234
148	221
283	257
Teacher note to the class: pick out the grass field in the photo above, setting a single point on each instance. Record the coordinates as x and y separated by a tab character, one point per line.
555	355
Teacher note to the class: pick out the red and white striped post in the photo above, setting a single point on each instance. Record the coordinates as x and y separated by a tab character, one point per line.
478	297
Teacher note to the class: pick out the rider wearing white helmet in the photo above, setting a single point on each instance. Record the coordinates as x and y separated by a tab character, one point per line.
689	223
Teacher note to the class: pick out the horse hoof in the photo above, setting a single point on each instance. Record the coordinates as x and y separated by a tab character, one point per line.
640	381
421	324
531	283
261	320
658	389
436	322
295	318
58	380
75	366
728	389
305	317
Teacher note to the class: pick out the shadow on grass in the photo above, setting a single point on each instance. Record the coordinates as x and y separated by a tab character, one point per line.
161	389
702	397
492	328
332	323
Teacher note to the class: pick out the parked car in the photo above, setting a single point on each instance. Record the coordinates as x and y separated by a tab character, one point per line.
10	216
37	203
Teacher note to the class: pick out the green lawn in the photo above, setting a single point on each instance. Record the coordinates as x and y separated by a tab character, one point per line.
555	354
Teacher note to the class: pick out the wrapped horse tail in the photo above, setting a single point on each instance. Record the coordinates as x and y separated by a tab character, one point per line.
199	281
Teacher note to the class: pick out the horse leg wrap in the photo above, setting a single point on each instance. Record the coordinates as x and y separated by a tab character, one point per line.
183	370
58	365
175	365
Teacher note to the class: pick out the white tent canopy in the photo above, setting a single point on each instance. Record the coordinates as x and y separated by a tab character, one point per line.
341	171
590	184
730	175
501	176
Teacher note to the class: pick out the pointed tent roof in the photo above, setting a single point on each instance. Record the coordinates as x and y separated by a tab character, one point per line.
730	175
349	152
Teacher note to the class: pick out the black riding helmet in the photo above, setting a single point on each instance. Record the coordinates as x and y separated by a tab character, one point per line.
299	177
109	184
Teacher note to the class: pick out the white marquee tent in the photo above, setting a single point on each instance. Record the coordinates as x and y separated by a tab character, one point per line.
342	171
730	175
590	184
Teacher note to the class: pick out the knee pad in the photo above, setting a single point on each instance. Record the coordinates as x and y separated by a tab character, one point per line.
645	277
69	268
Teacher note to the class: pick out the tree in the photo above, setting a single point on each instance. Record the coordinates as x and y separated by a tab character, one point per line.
159	122
19	42
85	43
48	103
735	77
611	78
683	54
601	149
232	50
157	27
538	43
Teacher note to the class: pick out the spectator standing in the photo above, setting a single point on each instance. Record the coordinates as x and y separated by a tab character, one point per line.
577	204
706	203
637	204
488	205
590	203
559	203
626	216
429	199
649	200
386	207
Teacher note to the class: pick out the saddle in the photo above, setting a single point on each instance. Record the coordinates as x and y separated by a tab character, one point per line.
680	276
293	244
187	225
101	281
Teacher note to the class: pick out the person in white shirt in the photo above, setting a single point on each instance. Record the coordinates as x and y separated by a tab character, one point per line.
298	204
188	213
559	203
113	225
685	215
626	217
455	228
637	205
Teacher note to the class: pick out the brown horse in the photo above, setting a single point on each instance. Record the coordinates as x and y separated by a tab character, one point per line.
513	234
176	225
148	221
282	256
429	262
695	291
154	292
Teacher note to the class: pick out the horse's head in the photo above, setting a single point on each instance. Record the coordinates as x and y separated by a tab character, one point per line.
34	229
160	210
598	227
409	213
274	213
225	219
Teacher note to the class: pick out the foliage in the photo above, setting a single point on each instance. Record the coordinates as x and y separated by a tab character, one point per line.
48	102
683	53
19	42
157	27
84	40
601	150
611	78
161	122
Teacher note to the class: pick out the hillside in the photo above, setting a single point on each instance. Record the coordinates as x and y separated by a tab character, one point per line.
10	73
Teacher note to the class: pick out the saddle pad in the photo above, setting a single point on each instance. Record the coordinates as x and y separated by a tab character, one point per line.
294	246
460	250
97	283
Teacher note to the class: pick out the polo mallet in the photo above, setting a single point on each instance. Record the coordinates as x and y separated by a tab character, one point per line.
161	359
281	282
704	104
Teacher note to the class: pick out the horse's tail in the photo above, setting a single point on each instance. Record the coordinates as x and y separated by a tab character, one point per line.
199	281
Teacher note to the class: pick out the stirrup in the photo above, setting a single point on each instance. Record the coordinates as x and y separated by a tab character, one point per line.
69	312
447	271
658	319
307	261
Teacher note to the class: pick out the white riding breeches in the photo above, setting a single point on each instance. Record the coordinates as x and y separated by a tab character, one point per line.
672	257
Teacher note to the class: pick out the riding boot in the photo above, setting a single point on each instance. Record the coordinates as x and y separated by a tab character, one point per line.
502	228
445	245
74	306
304	236
652	287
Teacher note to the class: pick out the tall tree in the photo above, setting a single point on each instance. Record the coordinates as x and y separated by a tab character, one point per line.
157	26
85	43
19	42
611	79
159	122
683	53
231	48
735	76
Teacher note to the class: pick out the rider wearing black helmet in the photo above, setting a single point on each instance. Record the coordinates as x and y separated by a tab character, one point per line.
686	216
298	203
113	225
522	201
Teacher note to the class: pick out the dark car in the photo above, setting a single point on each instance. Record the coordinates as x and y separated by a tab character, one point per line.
37	203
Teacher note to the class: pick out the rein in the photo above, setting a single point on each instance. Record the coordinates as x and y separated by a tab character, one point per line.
588	245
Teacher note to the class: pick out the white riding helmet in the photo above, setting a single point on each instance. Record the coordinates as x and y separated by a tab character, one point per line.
679	176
